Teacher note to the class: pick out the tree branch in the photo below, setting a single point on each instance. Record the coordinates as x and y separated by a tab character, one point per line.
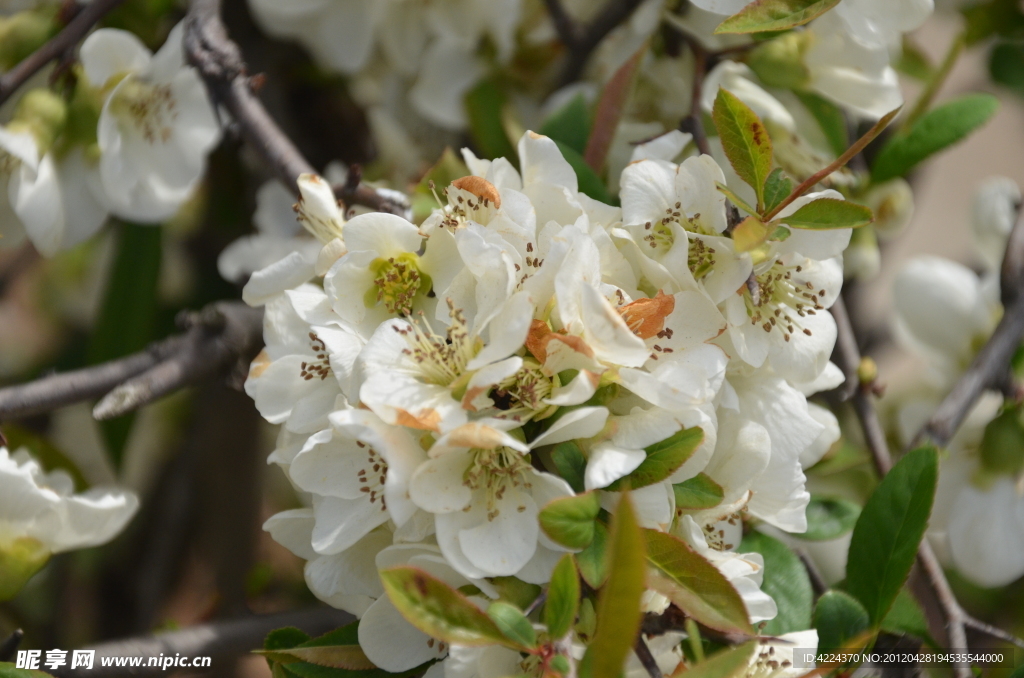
582	41
643	653
56	47
221	641
219	62
219	337
989	368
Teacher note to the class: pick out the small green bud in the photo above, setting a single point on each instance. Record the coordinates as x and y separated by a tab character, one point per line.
19	560
24	33
893	205
867	371
780	62
1002	445
43	113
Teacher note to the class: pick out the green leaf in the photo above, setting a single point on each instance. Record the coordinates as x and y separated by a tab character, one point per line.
830	119
838	618
889	530
735	199
284	638
1018	672
437	609
725	664
1006	65
694	584
774	15
348	657
127	316
827	213
570	124
914	62
516	591
8	670
829	517
936	130
589	183
563	598
484	106
281	645
906	616
513	624
618	603
663	459
570	521
745	141
593	561
785	580
571	464
698	493
776	188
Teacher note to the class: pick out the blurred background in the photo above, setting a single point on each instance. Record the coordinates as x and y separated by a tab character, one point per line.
196	551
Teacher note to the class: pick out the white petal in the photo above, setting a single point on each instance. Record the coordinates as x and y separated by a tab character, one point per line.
608	463
293	530
437	485
109	52
340	523
391	642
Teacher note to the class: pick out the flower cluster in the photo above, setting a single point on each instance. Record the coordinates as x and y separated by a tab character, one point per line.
130	140
439	385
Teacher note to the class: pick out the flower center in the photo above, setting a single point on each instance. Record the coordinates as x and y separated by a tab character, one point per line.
372	476
151	108
470	199
494	471
701	258
319	368
766	663
778	294
396	282
522	395
441	359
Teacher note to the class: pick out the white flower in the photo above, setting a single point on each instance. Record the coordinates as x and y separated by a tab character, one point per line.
40	514
485	494
157	123
943	310
774	659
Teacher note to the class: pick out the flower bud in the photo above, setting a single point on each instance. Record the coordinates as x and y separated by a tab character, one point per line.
861	260
43	113
780	62
893	205
19	560
24	33
1002	445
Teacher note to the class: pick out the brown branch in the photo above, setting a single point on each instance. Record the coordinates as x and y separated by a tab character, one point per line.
818	585
990	366
643	653
218	338
219	62
10	645
56	47
582	41
221	641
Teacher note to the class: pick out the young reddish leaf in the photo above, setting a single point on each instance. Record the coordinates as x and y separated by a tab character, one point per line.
774	15
745	141
695	585
750	234
439	610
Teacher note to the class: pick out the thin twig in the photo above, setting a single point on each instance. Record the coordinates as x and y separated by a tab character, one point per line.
992	631
988	370
818	584
935	83
10	645
57	46
874	436
219	337
221	641
582	41
643	653
219	62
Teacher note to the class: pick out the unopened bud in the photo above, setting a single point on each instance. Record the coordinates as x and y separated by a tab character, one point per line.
43	113
862	260
780	62
24	33
893	205
867	371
